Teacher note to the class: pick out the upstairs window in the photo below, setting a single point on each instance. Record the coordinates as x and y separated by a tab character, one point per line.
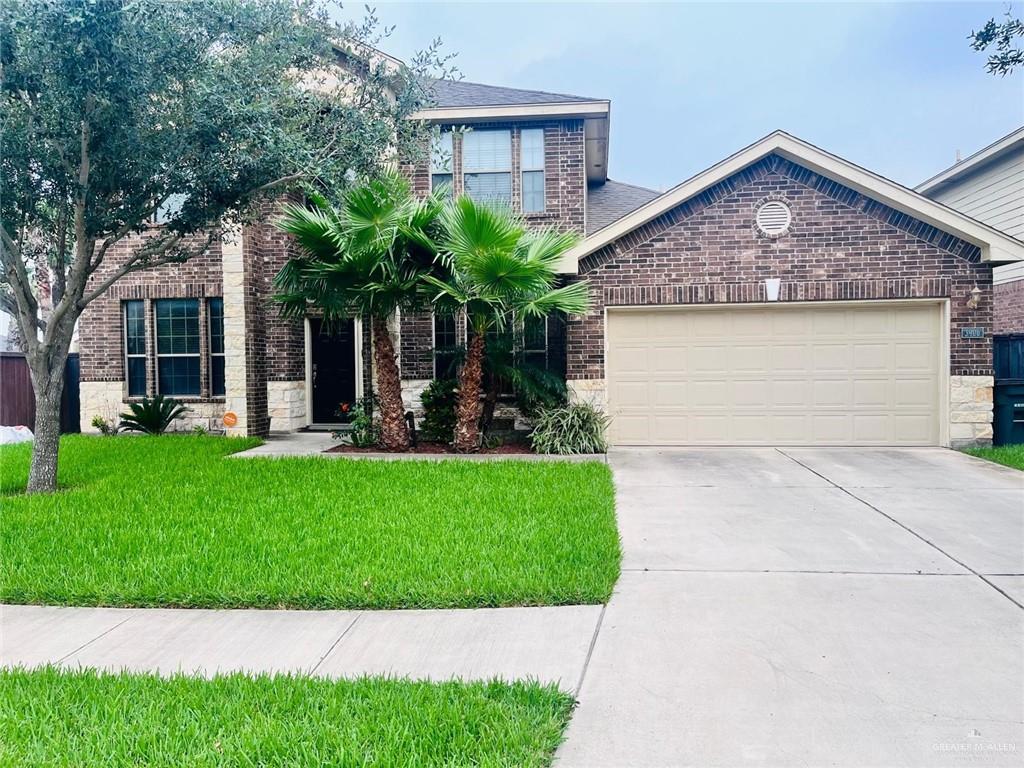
215	314
532	167
177	347
135	347
487	166
441	160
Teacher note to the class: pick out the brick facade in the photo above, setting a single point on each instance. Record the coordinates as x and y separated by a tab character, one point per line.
1009	307
101	342
564	171
841	246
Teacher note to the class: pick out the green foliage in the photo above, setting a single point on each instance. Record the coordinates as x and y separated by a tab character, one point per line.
105	427
1005	36
574	428
498	270
365	257
152	415
1008	455
439	398
365	430
213	102
53	717
204	530
533	386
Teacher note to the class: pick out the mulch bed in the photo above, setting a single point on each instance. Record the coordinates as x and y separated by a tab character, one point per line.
506	448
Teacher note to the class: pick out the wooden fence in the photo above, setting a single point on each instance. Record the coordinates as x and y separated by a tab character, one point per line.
18	403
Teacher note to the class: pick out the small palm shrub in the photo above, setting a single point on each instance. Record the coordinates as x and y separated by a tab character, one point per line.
439	399
573	428
152	415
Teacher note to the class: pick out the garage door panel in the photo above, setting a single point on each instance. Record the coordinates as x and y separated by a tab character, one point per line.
670	394
799	375
832	392
871	393
791	358
915	356
788	391
872	357
670	359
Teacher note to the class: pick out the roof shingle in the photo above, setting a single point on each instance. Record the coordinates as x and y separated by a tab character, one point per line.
609	202
460	93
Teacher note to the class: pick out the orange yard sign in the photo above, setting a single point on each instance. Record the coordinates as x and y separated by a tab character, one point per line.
230	419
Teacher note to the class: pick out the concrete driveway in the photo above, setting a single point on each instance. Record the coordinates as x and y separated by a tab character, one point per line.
809	607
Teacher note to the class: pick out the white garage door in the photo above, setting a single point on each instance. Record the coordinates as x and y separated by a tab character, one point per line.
865	374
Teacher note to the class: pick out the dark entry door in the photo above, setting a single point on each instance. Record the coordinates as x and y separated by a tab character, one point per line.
333	363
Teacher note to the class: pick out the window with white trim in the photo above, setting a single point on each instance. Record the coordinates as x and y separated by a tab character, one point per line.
531	162
215	321
441	160
177	347
135	347
487	166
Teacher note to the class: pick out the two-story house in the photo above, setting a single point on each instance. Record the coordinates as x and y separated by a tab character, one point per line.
782	296
989	186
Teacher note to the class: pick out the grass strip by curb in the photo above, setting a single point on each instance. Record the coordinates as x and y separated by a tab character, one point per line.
50	717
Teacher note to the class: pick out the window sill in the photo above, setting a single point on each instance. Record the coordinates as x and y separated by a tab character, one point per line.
541	215
183	399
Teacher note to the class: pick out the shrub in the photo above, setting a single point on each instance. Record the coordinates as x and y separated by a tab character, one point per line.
153	415
574	428
104	426
439	398
365	432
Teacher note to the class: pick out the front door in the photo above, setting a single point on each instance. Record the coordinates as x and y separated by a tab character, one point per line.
333	367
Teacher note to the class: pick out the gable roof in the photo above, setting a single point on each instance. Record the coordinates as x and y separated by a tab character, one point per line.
461	93
609	202
1010	142
995	246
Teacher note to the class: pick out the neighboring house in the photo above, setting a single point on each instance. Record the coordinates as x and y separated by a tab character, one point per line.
783	296
989	186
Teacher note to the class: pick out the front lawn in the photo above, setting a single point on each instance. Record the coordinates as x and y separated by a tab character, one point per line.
170	521
84	718
1010	455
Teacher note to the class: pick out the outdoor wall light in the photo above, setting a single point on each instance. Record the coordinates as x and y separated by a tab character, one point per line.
974	297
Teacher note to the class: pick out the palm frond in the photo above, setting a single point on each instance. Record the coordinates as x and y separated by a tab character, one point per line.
572	299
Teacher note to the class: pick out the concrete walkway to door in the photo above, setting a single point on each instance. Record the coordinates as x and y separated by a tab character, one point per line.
807	607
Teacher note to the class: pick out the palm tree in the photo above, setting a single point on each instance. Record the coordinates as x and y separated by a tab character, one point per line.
497	272
365	258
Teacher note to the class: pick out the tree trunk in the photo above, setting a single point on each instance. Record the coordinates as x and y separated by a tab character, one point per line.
394	433
490	403
48	387
467	409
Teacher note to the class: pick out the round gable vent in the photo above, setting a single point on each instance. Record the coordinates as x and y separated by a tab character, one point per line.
773	218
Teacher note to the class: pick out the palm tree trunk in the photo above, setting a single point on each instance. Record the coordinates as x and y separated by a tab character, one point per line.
467	410
490	403
394	433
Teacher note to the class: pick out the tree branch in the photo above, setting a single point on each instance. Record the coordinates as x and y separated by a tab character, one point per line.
142	259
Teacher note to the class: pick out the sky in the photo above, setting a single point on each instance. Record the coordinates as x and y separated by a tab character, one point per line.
892	87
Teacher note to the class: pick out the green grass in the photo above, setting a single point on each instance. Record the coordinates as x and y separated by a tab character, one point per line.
169	521
85	718
1010	455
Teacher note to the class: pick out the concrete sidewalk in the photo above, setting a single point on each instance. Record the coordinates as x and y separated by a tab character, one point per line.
547	644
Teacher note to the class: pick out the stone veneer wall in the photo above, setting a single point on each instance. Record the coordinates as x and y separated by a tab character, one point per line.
841	246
